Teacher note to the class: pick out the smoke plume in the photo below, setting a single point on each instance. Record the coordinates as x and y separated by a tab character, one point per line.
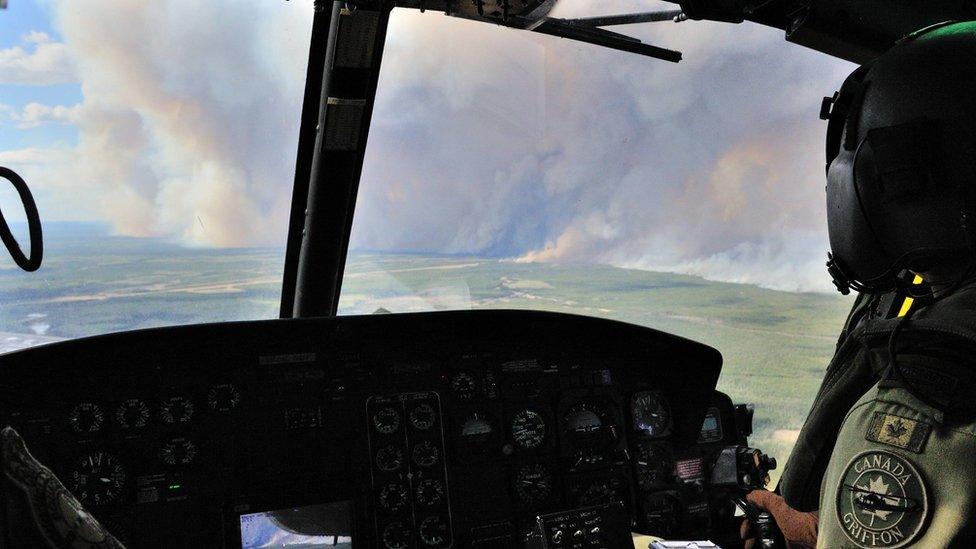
484	141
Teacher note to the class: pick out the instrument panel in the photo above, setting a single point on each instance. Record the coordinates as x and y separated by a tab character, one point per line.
430	430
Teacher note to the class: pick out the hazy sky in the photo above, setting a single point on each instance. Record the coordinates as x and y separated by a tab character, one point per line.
179	119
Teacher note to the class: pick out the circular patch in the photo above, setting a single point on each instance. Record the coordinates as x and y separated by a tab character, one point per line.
881	500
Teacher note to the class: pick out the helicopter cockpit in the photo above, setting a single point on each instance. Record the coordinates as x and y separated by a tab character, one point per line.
529	425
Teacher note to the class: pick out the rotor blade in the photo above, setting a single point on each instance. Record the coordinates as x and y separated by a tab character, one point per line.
626	19
607	39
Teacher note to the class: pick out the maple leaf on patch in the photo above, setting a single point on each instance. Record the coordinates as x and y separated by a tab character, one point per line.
896	428
879	487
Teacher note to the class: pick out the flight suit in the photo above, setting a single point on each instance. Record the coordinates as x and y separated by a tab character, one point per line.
888	457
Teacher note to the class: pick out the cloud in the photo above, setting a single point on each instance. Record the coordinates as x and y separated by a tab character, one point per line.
37	37
550	150
42	63
36	114
32	156
189	119
484	140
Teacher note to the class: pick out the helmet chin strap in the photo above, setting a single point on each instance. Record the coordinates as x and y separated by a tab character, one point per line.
842	281
837	275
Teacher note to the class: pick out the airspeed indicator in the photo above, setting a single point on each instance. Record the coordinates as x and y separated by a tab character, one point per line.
528	430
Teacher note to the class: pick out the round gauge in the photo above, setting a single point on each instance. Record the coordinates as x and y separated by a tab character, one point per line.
463	386
661	512
434	531
86	417
178	451
602	492
389	458
423	417
651	413
584	418
176	410
528	430
387	420
476	428
132	414
425	454
430	491
223	397
393	496
588	426
97	478
654	466
396	536
533	483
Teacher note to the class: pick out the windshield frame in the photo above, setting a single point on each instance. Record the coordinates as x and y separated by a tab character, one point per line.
346	52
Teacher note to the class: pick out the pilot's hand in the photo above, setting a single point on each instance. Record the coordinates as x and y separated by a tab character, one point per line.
799	528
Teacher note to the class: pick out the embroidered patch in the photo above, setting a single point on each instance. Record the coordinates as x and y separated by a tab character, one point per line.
881	500
897	431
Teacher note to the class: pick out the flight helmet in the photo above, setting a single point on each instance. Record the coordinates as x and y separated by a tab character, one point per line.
901	161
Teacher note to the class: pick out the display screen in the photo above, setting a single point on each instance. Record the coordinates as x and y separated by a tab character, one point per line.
711	430
326	525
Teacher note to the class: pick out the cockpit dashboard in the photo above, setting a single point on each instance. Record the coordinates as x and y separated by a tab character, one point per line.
428	430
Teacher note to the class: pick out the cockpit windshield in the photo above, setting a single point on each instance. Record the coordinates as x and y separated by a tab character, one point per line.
159	140
504	170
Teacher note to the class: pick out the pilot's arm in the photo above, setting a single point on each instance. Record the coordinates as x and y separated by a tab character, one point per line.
903	472
903	469
40	511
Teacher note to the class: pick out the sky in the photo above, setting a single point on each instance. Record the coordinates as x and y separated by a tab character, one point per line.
179	119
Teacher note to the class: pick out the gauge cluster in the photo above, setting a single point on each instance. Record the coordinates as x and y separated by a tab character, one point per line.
408	471
144	444
433	430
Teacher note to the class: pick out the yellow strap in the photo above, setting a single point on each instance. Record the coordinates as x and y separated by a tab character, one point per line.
907	304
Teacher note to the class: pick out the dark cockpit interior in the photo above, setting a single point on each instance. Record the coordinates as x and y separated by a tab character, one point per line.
421	430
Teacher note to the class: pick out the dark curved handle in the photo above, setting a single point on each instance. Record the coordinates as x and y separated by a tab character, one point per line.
33	262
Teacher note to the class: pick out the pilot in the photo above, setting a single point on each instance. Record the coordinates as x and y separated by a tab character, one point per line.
887	455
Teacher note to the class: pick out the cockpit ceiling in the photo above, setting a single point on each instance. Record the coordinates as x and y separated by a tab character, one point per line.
855	30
